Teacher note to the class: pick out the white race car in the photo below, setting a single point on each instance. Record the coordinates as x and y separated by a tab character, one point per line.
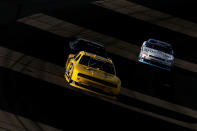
157	53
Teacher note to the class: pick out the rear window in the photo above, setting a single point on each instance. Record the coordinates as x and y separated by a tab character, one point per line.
98	64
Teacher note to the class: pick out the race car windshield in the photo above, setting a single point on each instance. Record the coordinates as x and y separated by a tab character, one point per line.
97	64
82	45
159	47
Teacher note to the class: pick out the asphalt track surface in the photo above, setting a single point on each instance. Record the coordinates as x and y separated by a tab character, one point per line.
55	106
64	109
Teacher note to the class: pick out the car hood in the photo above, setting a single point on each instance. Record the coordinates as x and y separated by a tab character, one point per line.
158	53
96	73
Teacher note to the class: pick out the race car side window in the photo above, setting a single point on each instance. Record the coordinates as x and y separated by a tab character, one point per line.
75	56
144	43
78	57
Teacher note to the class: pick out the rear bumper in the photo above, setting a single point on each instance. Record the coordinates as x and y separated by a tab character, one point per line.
155	64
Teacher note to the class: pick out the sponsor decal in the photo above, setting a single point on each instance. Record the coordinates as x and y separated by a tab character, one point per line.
156	52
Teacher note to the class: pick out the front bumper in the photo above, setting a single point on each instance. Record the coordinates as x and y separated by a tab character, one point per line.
92	89
154	63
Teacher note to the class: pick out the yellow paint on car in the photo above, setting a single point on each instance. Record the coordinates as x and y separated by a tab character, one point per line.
91	79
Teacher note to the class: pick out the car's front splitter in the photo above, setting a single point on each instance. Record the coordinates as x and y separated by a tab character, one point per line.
145	62
93	90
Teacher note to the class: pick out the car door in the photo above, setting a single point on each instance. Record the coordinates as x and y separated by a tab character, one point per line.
70	70
72	63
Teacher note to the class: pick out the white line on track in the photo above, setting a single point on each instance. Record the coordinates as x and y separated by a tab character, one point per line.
113	45
55	74
152	16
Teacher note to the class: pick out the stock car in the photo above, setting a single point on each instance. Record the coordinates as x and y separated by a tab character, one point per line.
92	73
157	53
80	44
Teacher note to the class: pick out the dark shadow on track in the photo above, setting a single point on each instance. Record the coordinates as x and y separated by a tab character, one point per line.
66	109
177	87
56	106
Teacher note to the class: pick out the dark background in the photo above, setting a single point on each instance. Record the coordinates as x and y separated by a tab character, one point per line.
63	108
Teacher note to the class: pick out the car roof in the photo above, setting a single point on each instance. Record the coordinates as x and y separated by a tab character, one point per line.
159	42
96	56
97	44
91	46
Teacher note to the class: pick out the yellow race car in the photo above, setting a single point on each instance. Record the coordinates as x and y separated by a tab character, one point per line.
92	73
